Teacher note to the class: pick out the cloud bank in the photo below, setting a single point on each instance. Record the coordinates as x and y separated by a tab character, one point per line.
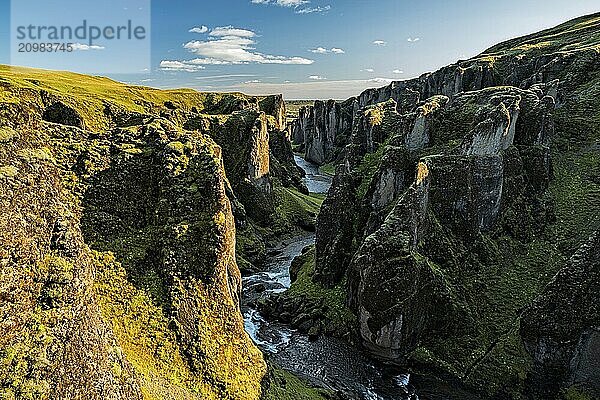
228	45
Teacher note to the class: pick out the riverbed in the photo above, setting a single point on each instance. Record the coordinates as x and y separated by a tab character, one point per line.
326	362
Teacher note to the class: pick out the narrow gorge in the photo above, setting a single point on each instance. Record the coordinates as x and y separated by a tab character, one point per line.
437	238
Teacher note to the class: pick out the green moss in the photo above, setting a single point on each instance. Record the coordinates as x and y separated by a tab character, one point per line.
576	165
8	171
503	276
88	95
575	393
286	386
293	209
7	134
142	331
328	169
577	34
331	300
40	154
367	170
151	346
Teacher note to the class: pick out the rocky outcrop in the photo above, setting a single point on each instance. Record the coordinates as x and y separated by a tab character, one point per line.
561	330
449	214
386	146
522	68
60	113
119	275
55	342
323	129
275	106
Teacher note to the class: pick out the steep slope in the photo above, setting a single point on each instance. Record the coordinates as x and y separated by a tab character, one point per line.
119	275
458	195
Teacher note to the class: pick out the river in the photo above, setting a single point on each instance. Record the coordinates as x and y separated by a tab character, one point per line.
326	362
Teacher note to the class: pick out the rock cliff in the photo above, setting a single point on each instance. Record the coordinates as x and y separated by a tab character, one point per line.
119	275
457	196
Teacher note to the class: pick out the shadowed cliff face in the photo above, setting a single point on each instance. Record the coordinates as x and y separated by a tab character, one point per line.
457	196
561	330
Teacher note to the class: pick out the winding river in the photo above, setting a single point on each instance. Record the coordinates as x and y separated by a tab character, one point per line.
326	362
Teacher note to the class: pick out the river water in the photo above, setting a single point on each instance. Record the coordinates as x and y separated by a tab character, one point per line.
326	362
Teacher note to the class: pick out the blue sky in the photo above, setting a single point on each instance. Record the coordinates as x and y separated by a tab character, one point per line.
322	48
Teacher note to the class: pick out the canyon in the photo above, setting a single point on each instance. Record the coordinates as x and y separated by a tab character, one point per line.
163	244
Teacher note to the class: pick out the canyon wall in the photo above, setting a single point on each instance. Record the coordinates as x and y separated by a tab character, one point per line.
457	197
118	230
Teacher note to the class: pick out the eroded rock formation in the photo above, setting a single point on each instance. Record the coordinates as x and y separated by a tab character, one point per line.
457	196
119	275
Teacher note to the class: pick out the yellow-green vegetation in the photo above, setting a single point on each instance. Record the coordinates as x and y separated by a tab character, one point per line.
7	133
88	95
8	171
154	305
293	208
367	170
574	393
142	330
578	34
576	165
328	168
286	386
22	363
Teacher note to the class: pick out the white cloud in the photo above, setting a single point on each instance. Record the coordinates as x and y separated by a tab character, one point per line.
199	29
229	45
323	50
380	80
86	47
291	3
185	66
416	39
230	31
282	3
368	70
216	77
317	78
379	42
310	10
397	71
319	50
295	4
251	82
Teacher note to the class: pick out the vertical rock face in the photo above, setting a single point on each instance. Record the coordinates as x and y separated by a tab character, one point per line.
275	106
375	277
322	128
258	163
54	340
119	274
453	196
385	147
561	330
475	74
244	137
456	202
